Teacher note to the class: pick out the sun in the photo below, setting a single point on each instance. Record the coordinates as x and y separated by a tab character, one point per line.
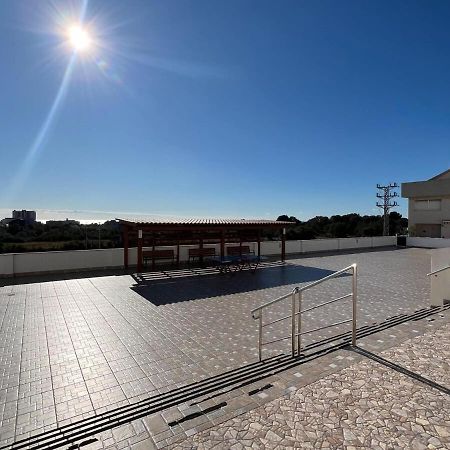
79	38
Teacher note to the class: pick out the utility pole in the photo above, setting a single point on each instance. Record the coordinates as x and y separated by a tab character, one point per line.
386	195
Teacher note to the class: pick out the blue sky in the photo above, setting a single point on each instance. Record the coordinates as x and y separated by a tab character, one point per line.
222	108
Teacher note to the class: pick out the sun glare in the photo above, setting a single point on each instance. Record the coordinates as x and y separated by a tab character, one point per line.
79	38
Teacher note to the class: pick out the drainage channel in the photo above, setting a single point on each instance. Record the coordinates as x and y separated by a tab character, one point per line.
205	389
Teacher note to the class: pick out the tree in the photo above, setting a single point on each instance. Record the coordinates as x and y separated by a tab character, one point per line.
340	226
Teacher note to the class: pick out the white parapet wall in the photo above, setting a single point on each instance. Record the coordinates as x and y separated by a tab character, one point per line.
427	242
440	281
7	265
12	264
61	261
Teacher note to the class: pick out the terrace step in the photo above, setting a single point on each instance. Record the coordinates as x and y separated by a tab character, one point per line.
76	432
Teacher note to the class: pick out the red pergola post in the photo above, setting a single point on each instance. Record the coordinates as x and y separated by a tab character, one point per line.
125	247
259	243
201	253
153	254
139	252
283	244
222	245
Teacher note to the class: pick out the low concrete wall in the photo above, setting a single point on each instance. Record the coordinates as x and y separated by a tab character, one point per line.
440	282
7	265
77	260
319	245
72	260
427	242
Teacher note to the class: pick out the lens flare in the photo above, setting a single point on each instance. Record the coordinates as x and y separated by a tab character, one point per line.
79	38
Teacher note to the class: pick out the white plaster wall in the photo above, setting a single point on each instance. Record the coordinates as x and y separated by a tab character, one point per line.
319	245
432	217
427	242
383	241
35	262
67	260
440	258
367	242
440	282
6	264
270	248
293	247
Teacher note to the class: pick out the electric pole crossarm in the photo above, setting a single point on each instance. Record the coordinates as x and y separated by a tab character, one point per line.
387	193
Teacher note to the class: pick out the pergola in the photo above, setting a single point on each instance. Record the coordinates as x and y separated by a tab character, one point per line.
198	232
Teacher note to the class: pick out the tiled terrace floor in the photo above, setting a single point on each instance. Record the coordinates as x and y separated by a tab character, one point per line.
73	348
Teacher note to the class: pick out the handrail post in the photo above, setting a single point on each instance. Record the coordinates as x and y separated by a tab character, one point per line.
296	328
354	299
299	323
293	322
260	334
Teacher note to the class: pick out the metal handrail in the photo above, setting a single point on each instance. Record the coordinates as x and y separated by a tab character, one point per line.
301	289
295	335
328	277
437	271
283	297
323	328
325	303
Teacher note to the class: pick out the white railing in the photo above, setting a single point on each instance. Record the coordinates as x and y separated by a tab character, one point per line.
296	312
435	272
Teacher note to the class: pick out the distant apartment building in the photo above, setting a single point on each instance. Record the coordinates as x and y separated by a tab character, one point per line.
21	217
429	206
26	216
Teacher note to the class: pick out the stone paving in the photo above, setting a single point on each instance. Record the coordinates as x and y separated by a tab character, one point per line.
74	348
366	405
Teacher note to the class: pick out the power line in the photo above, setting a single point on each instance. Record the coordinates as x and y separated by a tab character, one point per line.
386	195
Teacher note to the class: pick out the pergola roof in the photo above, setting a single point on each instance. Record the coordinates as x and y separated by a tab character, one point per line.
235	223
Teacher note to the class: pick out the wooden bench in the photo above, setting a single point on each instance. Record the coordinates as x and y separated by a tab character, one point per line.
150	255
197	253
238	250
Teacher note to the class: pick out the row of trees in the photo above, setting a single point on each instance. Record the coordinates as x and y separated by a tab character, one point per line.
348	225
62	235
70	235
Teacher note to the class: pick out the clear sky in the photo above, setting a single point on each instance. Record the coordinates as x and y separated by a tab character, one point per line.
233	108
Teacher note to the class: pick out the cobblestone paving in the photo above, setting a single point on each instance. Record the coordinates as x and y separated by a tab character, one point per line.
366	405
78	347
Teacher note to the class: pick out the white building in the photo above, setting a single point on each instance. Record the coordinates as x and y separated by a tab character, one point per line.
429	206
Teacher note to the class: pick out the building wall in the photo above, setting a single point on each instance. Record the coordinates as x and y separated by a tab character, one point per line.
428	223
427	230
27	216
426	189
423	221
446	229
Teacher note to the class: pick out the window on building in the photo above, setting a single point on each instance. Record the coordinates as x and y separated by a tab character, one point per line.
427	205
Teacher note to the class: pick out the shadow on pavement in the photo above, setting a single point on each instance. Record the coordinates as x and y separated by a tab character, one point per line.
180	286
400	369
